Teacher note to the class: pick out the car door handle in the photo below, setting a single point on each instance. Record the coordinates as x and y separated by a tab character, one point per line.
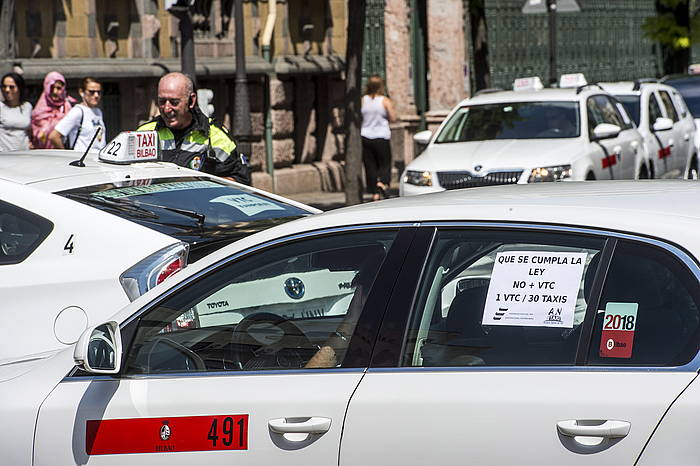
606	429
312	425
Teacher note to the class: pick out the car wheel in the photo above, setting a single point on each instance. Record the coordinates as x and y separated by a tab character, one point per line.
590	176
693	170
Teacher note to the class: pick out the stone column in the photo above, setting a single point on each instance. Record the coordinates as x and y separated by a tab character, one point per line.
397	42
446	64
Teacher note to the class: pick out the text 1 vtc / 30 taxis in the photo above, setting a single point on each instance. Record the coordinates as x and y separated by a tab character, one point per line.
78	241
528	135
538	324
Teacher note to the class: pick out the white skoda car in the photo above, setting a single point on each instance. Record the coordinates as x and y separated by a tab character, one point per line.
665	123
77	243
529	135
556	323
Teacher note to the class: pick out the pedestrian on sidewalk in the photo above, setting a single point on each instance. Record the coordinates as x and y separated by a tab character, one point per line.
15	114
191	139
377	112
52	106
77	128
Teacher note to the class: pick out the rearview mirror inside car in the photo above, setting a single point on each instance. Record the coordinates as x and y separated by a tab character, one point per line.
99	349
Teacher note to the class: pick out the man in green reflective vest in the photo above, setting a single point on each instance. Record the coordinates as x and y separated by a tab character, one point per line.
188	137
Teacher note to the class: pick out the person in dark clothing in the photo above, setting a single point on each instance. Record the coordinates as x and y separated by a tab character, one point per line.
188	137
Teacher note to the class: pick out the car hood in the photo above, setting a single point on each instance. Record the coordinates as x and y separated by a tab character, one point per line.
500	154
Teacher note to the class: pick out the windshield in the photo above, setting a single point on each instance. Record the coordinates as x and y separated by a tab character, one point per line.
631	104
512	120
690	90
194	209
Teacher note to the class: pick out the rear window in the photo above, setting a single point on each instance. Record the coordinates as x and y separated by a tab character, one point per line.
513	120
183	202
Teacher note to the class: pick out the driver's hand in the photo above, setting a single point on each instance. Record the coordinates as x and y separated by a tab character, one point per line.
324	358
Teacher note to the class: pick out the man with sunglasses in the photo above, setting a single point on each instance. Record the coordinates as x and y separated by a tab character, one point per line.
77	128
191	139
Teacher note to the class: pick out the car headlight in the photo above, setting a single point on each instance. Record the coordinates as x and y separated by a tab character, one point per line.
418	178
557	173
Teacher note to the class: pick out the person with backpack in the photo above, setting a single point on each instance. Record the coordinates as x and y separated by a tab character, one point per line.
77	128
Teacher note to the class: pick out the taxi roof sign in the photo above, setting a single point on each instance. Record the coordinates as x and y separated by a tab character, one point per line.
131	146
572	80
533	83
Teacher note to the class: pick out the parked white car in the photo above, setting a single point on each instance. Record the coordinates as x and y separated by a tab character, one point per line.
529	135
665	123
77	243
556	323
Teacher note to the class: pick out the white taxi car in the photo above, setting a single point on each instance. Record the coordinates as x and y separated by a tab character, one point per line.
77	243
530	134
664	122
541	324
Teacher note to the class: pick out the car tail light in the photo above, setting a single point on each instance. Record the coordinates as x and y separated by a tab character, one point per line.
154	269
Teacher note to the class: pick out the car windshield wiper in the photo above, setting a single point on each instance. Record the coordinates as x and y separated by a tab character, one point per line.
120	205
187	213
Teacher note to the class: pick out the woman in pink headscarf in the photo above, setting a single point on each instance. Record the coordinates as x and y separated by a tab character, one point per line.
52	106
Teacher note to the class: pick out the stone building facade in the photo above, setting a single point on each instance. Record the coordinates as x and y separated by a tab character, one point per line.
129	45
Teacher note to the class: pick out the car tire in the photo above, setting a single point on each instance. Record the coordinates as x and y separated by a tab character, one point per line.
590	176
693	170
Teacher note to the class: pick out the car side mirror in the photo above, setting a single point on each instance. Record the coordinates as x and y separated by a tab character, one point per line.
99	349
423	137
663	124
606	131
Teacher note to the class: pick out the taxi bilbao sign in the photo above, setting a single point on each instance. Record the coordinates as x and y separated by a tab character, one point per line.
131	146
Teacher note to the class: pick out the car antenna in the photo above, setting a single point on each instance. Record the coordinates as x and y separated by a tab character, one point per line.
79	163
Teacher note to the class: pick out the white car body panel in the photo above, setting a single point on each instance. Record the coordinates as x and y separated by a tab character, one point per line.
680	139
36	291
263	397
496	421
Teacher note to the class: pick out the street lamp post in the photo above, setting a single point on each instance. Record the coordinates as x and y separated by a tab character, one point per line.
241	117
181	10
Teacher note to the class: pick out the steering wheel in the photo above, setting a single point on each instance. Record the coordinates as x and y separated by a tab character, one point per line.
288	346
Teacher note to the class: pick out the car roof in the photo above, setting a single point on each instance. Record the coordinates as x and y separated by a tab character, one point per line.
657	208
628	87
37	166
542	95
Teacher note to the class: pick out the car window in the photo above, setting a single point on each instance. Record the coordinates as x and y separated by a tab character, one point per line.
512	120
648	313
690	90
608	111
680	104
289	307
21	232
668	105
631	105
501	299
205	212
654	110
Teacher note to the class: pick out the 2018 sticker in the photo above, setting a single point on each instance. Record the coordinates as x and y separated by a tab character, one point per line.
166	435
617	336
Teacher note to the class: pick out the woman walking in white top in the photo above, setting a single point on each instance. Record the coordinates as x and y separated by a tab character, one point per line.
377	112
76	129
15	114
